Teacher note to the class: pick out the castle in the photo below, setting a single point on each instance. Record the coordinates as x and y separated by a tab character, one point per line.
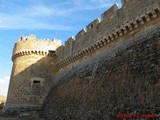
109	67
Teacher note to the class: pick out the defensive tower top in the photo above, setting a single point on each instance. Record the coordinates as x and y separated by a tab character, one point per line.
31	45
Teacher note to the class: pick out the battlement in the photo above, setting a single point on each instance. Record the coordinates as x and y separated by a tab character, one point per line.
43	69
31	71
107	15
115	23
125	2
93	24
30	45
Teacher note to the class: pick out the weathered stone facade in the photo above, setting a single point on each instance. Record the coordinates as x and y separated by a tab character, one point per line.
112	66
124	79
31	73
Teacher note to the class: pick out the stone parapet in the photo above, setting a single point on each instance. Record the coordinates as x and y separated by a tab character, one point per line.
106	40
30	45
116	23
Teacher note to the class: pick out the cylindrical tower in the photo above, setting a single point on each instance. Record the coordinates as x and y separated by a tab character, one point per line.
31	72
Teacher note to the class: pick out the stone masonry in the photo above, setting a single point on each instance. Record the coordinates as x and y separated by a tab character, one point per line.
31	73
112	66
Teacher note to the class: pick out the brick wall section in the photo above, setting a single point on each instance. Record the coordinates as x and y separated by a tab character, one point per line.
124	79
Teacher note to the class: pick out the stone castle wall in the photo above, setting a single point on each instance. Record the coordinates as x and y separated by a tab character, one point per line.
31	44
123	79
115	24
110	66
31	71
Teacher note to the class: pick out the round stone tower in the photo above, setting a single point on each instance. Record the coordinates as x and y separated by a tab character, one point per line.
32	72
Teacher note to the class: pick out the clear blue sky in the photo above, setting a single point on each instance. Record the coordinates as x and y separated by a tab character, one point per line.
46	19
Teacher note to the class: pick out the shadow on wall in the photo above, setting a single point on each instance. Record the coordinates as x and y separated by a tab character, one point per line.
126	83
30	85
1	106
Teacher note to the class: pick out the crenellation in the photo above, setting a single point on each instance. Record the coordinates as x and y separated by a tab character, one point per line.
108	15
124	2
23	38
50	60
81	33
31	51
92	25
71	39
32	44
69	43
124	29
31	37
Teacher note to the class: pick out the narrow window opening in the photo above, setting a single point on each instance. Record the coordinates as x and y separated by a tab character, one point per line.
91	25
51	51
36	81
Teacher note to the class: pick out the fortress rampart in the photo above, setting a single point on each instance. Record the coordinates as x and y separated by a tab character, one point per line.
30	58
111	66
116	23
